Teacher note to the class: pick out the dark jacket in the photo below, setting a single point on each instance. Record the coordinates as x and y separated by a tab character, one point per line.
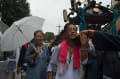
111	64
105	41
21	60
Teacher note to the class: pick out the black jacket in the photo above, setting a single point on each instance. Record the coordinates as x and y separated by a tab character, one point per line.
105	41
21	60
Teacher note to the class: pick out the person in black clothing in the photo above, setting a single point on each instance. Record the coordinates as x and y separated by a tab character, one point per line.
108	57
103	41
21	67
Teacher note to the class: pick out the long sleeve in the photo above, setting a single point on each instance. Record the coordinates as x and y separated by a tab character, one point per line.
28	55
21	58
54	60
105	41
48	54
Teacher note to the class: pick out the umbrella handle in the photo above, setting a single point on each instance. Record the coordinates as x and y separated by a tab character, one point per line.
33	47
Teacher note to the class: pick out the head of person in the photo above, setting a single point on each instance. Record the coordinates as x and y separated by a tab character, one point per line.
70	30
38	37
58	39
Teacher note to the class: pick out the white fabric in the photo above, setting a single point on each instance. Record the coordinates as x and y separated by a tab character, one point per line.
90	44
68	73
49	66
18	76
71	73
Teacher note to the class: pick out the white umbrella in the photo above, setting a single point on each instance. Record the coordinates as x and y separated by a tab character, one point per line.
20	32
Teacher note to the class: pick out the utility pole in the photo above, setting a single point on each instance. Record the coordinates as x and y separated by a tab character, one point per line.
59	28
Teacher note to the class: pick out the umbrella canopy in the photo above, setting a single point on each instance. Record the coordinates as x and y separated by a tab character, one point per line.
3	27
20	32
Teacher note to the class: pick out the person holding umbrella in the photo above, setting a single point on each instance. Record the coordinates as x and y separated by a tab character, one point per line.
21	65
37	57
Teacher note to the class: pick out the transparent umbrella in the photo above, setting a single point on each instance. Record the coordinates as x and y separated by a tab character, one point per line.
21	32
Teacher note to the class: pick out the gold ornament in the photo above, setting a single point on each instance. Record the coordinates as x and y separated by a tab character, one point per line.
96	10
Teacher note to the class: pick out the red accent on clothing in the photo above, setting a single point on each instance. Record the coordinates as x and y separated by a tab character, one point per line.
63	54
26	46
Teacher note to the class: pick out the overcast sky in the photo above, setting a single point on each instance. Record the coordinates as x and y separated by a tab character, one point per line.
52	12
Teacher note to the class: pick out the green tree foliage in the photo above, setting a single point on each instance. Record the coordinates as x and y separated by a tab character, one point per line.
13	10
49	36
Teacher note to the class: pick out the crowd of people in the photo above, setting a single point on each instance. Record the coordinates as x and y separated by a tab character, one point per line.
89	54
